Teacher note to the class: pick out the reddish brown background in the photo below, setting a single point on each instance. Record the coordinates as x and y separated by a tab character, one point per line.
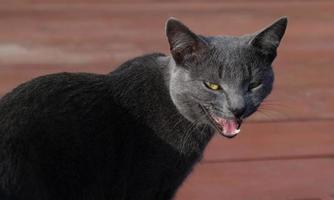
286	152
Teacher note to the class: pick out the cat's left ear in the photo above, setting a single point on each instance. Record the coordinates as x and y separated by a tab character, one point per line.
268	39
184	44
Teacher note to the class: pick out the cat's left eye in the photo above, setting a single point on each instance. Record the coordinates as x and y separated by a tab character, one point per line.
254	85
212	86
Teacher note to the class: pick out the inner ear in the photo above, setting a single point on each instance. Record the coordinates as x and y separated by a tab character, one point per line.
184	44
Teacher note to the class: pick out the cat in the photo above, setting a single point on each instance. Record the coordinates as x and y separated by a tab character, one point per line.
136	132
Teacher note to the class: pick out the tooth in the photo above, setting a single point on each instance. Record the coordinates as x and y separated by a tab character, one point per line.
237	131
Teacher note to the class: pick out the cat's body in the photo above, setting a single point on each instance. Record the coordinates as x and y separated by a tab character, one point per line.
72	133
132	134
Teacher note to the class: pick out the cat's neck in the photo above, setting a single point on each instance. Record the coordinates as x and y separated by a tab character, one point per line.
143	89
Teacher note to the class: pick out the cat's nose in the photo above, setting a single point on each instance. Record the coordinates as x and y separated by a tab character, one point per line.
237	105
238	111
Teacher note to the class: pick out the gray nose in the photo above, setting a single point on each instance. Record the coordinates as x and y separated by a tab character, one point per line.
238	111
236	103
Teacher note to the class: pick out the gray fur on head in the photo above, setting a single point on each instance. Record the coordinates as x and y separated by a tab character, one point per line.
241	66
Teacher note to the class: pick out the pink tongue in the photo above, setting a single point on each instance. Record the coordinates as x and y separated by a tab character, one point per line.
229	126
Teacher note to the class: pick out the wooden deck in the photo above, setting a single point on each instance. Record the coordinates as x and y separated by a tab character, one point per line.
285	153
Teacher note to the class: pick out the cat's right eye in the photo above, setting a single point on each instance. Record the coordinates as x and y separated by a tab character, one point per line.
212	86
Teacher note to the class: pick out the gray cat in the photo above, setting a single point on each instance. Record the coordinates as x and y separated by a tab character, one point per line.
137	132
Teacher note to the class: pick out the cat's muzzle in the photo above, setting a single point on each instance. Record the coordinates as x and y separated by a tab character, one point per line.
226	127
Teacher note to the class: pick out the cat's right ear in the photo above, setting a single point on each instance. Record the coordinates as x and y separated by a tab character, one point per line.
184	44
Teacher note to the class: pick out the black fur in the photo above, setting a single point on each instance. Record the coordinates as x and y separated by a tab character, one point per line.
96	137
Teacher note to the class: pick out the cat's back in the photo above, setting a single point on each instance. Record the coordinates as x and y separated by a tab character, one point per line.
51	97
67	134
52	85
57	122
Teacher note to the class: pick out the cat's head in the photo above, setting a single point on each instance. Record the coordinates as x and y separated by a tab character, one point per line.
221	80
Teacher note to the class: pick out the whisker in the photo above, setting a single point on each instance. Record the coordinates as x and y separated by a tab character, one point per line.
264	114
272	113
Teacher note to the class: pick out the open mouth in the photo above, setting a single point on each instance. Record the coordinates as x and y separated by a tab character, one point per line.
226	127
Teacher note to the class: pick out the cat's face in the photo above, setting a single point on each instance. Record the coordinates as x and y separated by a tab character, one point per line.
221	80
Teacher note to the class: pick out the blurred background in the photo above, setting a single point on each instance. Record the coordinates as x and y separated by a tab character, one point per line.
285	151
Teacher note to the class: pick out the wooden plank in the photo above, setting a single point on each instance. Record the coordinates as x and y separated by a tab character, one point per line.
147	1
286	140
309	179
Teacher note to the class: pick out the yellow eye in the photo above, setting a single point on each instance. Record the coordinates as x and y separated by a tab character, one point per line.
212	86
